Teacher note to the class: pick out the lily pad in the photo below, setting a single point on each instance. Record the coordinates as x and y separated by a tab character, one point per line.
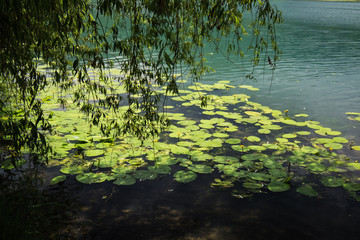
160	169
289	135
340	140
58	179
257	148
145	175
303	133
185	177
277	173
253	139
352	187
200	168
276	186
125	180
233	141
334	145
331	181
220	135
71	170
307	190
317	167
252	185
264	131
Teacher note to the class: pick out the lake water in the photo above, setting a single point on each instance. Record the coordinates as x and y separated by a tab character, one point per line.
318	74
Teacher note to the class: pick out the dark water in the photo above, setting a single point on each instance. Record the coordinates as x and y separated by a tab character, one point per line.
318	74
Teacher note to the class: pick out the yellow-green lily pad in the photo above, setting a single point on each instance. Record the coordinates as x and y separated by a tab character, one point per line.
185	177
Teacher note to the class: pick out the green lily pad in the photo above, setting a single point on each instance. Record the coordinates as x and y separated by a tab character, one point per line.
331	181
352	187
225	159
71	170
307	190
264	131
340	140
353	166
276	186
233	141
257	148
303	133
269	163
253	139
145	175
185	177
58	179
220	135
259	176
289	135
271	127
179	150
160	169
317	167
324	140
252	156
334	145
125	180
186	122
277	173
357	148
252	185
199	168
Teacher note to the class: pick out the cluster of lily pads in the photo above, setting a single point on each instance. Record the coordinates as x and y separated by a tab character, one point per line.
246	146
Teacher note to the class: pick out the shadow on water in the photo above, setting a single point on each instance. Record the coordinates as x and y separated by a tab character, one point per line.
165	209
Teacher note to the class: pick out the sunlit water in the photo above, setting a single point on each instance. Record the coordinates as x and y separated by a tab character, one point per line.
318	74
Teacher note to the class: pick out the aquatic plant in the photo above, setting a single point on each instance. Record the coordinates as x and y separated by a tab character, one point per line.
227	144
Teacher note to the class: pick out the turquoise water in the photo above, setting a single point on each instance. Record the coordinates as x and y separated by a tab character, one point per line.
319	69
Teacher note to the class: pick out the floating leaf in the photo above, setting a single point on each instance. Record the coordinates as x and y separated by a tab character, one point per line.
307	190
185	177
233	141
253	139
340	140
199	168
289	135
271	127
331	181
252	156
58	179
125	180
259	176
252	185
277	173
225	159
353	166
145	175
186	122
317	167
352	187
357	148
334	145
257	148
276	186
264	131
160	169
71	170
303	133
220	135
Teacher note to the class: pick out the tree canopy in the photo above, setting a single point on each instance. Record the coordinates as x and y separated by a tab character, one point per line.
149	41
